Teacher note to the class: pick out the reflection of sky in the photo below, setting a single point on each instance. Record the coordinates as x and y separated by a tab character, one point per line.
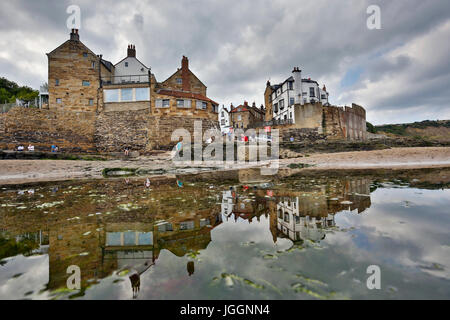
407	227
21	275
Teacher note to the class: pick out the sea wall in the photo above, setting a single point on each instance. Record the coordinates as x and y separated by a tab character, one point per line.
92	132
71	131
345	122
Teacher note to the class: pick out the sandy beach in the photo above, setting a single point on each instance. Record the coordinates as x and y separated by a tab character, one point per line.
26	171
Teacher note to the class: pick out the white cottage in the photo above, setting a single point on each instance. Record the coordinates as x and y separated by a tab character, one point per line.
224	119
130	69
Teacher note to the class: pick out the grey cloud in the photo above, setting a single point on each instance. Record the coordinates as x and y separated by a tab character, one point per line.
236	46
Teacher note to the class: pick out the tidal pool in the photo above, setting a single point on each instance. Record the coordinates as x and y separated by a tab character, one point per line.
292	238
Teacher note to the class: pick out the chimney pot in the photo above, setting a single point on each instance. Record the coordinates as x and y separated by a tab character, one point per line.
131	52
74	35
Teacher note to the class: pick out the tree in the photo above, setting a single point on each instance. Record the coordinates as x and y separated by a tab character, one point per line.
371	128
9	91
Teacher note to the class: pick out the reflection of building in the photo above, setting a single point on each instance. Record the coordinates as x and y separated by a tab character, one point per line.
297	227
307	213
132	240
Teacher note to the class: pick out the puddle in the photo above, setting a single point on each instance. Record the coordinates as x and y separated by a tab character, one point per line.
237	237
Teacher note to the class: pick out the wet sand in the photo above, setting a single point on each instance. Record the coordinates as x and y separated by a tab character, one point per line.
26	171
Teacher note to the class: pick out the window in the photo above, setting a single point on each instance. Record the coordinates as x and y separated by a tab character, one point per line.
179	81
291	115
183	103
85	54
111	95
126	94
91	102
291	85
215	108
142	94
239	117
56	82
323	96
93	64
275	107
162	103
187	225
223	114
86	83
126	64
201	105
58	100
291	101
281	103
286	217
311	92
285	117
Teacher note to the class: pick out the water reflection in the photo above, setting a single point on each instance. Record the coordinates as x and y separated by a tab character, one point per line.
120	229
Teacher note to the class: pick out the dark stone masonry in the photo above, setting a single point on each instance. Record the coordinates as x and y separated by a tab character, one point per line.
92	132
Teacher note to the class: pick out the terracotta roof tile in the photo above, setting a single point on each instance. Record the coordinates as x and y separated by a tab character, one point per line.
181	94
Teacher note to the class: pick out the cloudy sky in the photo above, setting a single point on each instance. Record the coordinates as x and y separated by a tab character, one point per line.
400	73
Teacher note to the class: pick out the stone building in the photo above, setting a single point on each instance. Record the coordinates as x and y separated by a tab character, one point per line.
97	106
243	116
73	76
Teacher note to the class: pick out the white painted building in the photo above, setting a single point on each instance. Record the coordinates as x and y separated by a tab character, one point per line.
227	203
224	119
130	69
295	90
297	227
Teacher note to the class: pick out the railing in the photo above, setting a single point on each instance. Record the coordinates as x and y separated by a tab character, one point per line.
6	107
129	79
271	123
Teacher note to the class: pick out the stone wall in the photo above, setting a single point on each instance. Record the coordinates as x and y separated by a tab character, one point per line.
345	123
2	123
90	132
309	116
300	134
115	131
71	131
141	131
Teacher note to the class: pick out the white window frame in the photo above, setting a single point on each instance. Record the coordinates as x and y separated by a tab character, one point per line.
186	104
160	103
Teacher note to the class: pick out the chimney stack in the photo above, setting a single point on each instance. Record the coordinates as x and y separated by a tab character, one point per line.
185	74
131	52
245	104
298	90
254	105
74	35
